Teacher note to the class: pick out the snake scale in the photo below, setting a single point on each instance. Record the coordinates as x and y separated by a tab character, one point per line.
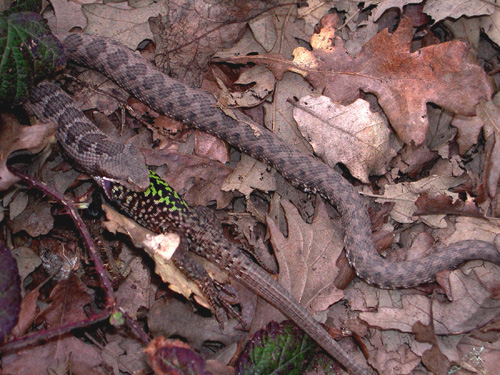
199	109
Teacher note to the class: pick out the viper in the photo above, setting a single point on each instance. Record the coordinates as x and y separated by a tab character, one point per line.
124	166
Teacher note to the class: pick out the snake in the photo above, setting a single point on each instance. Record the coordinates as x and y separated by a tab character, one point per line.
199	109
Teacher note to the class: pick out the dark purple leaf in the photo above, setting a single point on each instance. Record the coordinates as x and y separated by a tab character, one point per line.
10	291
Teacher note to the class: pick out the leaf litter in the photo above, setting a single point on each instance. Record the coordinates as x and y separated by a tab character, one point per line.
416	88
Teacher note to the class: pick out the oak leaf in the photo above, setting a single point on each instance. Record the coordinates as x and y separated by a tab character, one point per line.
307	261
403	81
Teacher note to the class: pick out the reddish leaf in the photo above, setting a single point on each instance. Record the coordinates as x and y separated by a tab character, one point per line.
10	291
428	204
173	357
404	81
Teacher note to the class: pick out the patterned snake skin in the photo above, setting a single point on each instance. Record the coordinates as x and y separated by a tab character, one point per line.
89	148
199	109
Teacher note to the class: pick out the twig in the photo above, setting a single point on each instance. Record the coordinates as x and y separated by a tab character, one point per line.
101	271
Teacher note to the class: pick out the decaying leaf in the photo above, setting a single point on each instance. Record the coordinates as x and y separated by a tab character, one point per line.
159	247
352	135
468	131
170	317
67	300
404	195
490	114
441	9
253	171
187	34
18	137
68	15
173	357
310	250
36	219
443	74
130	24
64	355
10	292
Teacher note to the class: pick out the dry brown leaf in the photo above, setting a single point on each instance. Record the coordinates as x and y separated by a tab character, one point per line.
159	247
404	195
432	358
438	203
467	228
27	260
57	356
68	15
276	32
20	137
391	354
468	131
28	312
472	309
250	174
170	317
441	9
36	219
442	74
187	34
124	353
91	95
490	115
210	147
352	135
411	159
478	357
262	85
67	301
414	308
472	306
138	289
130	25
307	261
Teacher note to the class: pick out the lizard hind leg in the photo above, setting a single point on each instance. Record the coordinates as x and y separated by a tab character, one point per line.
215	293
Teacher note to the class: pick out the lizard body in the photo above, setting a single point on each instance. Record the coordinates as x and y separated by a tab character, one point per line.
160	209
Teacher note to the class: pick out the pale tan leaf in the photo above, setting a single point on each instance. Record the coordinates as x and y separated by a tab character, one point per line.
490	114
249	175
159	247
441	9
68	15
307	261
20	137
352	135
404	195
130	25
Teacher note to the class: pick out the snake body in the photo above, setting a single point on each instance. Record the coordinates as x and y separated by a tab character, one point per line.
88	147
199	109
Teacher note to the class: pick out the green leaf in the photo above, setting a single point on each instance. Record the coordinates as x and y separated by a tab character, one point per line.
24	6
29	53
10	291
279	348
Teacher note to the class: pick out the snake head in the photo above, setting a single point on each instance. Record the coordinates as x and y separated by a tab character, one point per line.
126	167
